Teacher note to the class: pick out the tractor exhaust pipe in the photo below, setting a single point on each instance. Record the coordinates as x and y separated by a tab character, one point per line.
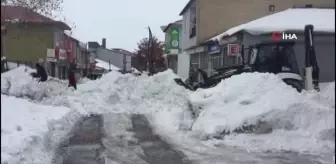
311	66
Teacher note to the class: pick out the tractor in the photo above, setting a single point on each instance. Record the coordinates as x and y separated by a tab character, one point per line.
277	57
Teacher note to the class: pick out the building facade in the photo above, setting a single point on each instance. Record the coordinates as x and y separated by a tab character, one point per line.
117	57
173	32
31	37
203	20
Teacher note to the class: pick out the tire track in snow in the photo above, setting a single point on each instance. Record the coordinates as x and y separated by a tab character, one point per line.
84	145
90	143
155	149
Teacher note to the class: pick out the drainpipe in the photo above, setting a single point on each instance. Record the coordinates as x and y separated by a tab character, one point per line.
3	32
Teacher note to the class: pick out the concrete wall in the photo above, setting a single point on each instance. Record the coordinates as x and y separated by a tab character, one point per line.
27	42
324	47
183	64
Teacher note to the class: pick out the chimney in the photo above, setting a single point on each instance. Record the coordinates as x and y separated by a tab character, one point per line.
104	42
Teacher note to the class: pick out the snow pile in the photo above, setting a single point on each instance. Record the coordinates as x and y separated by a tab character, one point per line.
12	65
272	106
226	106
83	80
23	128
328	92
158	96
19	83
242	100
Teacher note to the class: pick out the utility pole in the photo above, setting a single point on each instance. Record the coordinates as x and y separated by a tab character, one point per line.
3	32
86	59
150	52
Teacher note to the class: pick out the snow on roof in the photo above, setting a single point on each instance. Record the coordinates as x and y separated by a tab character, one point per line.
292	19
105	65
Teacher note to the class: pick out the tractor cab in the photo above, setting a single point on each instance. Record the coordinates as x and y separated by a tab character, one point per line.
273	57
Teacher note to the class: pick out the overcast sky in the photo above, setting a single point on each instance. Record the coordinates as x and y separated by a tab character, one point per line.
122	22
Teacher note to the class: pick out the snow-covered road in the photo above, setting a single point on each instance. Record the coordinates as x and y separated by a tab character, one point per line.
199	125
129	139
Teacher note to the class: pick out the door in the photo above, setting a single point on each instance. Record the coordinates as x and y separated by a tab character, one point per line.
53	69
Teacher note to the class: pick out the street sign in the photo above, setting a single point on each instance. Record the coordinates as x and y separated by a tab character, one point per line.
62	54
233	49
174	51
51	53
214	48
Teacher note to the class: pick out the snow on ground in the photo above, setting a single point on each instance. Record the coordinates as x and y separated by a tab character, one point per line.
299	121
227	105
19	83
83	80
12	65
158	96
106	65
23	126
287	20
242	99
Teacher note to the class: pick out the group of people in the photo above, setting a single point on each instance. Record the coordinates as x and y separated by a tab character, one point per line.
42	74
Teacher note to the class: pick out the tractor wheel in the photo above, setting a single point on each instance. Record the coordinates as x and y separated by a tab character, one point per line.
294	83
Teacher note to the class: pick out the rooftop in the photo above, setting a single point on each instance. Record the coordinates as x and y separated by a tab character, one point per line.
186	7
23	14
293	19
164	28
123	51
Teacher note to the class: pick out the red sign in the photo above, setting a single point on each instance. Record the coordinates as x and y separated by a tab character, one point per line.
276	36
233	49
57	52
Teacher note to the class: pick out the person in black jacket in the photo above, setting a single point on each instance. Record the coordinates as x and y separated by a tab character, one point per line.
40	71
72	78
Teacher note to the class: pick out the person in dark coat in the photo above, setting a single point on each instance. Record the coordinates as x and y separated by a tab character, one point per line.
40	71
72	78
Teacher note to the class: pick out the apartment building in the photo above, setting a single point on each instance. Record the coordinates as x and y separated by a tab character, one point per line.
204	19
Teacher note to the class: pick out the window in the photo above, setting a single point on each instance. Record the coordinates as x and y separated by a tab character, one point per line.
271	8
277	58
184	24
192	22
309	6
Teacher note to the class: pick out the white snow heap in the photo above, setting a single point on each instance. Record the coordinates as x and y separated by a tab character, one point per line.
23	126
18	82
293	19
227	105
249	98
300	121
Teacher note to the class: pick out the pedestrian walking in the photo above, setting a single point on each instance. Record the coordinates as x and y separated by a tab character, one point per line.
72	78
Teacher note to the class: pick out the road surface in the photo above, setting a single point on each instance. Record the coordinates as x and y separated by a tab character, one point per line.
129	139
